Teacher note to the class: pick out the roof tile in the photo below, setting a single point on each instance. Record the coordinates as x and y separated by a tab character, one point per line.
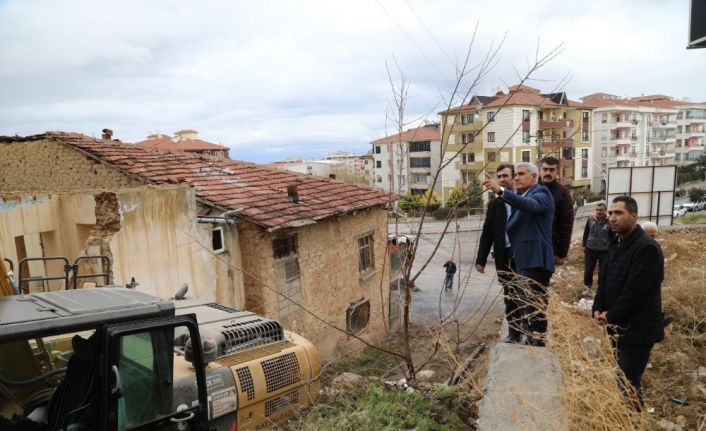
230	184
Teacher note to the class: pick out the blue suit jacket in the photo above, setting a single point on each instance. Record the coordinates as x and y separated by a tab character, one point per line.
530	227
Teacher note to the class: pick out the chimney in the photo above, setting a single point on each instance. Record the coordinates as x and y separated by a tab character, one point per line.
292	193
107	134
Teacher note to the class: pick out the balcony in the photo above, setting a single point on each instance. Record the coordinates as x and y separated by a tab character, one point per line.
555	124
470	166
668	138
664	124
620	124
554	143
623	140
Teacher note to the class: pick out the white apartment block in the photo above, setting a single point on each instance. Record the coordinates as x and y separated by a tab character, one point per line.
407	162
640	131
691	123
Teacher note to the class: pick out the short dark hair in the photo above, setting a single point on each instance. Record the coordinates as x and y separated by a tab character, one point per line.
508	166
629	201
549	160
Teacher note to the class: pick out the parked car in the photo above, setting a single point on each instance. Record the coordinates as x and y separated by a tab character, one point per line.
679	210
680	192
695	206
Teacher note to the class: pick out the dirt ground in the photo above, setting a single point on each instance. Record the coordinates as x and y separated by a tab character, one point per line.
675	381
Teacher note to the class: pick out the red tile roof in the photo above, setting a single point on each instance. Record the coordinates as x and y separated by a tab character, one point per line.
227	184
522	97
424	133
188	145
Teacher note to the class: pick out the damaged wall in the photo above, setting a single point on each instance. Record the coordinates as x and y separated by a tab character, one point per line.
151	234
330	280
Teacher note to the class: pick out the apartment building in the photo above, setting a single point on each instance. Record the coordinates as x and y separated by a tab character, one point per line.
636	131
691	126
520	125
407	162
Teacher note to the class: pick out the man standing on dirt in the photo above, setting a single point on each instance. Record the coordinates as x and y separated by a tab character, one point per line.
563	222
597	236
529	228
494	236
629	297
450	271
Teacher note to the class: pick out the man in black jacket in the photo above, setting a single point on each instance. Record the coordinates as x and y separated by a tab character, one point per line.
494	236
563	208
629	297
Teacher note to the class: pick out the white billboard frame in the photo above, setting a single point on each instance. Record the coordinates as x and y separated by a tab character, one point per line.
653	187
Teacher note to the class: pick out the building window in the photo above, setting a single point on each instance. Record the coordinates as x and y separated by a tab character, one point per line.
378	164
420	162
584	172
604	117
420	146
217	240
491	136
567	153
377	149
467	118
467	138
365	254
525	115
584	136
584	116
468	158
379	179
491	156
525	136
283	247
584	153
490	116
358	316
526	156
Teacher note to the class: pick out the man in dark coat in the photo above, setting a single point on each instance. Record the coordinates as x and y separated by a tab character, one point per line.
629	297
563	222
450	271
529	228
494	236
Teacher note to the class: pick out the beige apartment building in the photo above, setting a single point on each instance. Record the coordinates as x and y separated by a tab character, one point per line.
520	125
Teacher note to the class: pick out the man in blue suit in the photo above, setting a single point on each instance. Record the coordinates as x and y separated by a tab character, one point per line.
529	229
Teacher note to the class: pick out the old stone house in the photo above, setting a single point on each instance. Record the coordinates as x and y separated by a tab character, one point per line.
307	251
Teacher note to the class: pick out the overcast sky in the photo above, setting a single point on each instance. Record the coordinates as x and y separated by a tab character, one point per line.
276	79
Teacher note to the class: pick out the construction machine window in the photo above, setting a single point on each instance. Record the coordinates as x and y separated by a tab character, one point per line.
144	366
48	380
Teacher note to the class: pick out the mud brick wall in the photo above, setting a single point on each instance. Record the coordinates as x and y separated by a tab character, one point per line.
51	166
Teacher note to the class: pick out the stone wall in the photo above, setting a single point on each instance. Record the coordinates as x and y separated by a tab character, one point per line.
330	280
48	165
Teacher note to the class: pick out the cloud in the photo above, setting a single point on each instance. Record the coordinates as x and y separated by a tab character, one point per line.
276	78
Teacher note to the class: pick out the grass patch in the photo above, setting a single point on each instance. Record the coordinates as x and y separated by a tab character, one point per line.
691	218
378	408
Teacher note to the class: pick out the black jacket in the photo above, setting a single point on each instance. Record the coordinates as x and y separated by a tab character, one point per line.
493	234
563	218
630	289
450	267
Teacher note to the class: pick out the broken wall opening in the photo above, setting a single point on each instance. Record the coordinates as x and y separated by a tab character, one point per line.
98	241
